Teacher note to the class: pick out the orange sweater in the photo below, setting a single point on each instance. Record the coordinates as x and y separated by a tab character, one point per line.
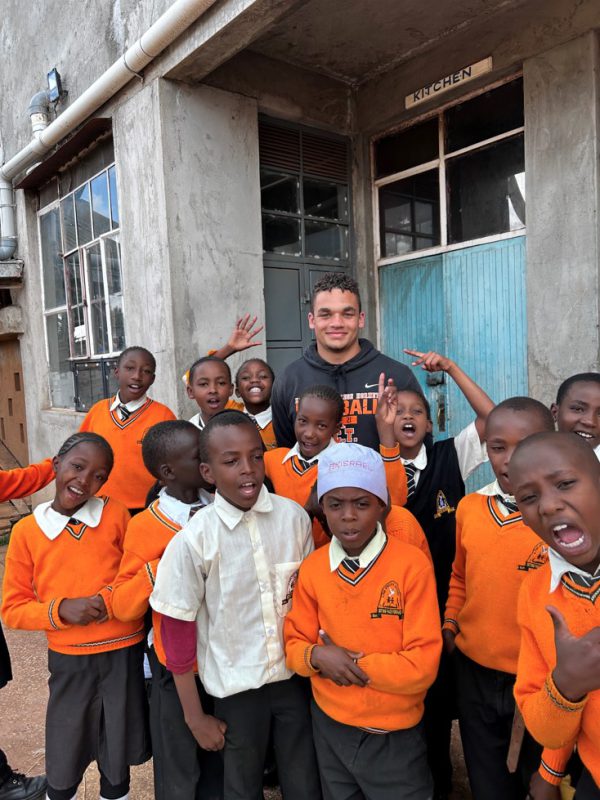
493	556
388	611
551	718
401	524
129	481
15	483
395	474
80	562
147	536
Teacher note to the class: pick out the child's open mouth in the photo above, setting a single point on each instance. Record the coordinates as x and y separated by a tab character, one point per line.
247	489
408	429
570	539
585	435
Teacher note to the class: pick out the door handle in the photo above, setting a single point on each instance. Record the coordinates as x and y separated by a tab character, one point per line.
441	412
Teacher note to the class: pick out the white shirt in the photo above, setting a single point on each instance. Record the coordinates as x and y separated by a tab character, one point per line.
471	452
263	418
597	451
493	490
560	565
233	571
337	553
132	406
52	523
295	451
180	512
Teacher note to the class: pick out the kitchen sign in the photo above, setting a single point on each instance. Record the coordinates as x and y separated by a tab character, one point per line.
448	82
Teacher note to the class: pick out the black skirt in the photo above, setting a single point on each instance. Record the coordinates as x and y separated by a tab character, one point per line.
5	670
97	711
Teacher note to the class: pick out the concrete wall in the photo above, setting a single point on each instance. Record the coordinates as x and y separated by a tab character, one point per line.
562	126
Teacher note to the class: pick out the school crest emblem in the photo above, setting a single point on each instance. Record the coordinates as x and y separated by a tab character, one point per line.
537	558
390	602
292	580
442	506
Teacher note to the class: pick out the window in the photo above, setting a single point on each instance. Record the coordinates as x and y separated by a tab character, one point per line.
83	300
457	177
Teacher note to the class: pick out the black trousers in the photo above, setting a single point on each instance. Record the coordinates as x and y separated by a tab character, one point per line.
357	765
587	789
182	769
4	767
486	708
440	710
250	716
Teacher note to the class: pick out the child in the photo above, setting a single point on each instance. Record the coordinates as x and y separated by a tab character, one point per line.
556	482
225	584
254	383
209	384
436	473
364	627
577	407
171	452
123	420
494	553
60	567
16	483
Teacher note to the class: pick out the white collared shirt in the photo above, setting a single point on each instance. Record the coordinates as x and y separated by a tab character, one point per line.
132	406
560	565
493	490
471	452
180	512
263	418
232	571
53	524
337	553
295	451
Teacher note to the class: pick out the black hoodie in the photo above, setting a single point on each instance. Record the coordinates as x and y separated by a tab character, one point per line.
356	380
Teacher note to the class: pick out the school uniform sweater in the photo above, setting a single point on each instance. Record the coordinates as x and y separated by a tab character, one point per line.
81	561
15	483
434	503
129	480
550	718
148	534
401	524
387	610
494	554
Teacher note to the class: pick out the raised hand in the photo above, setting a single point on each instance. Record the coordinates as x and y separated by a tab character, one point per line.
82	610
577	670
431	361
242	336
387	408
338	664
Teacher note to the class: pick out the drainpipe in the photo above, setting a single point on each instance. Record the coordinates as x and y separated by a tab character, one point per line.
168	27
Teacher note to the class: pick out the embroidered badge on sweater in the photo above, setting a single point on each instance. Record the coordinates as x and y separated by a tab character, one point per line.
390	602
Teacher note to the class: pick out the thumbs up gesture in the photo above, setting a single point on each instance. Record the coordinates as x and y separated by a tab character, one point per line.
577	669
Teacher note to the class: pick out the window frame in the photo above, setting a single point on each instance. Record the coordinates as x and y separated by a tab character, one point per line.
439	164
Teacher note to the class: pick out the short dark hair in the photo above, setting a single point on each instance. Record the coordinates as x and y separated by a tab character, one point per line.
327	393
161	440
528	405
205	360
561	440
137	349
224	419
87	437
335	280
257	361
582	377
421	397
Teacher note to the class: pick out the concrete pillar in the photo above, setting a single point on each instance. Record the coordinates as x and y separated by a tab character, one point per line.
561	165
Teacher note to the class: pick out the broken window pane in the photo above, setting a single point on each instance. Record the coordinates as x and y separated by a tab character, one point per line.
409	214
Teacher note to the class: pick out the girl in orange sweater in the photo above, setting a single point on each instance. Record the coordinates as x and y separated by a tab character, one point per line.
60	566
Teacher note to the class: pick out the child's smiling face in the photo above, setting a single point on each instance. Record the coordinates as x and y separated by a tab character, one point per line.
579	411
135	375
210	386
254	383
80	474
316	423
557	487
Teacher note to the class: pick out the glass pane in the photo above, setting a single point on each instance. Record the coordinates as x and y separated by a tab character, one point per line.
99	328
323	240
324	199
88	384
74	279
406	208
54	279
68	218
408	148
113	265
486	191
80	347
95	279
114	197
61	378
281	235
116	318
82	208
487	115
279	192
100	210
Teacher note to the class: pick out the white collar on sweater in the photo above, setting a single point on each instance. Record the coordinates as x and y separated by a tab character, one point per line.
180	512
337	553
53	524
132	406
295	451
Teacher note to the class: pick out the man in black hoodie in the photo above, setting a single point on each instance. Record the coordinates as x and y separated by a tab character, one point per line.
340	359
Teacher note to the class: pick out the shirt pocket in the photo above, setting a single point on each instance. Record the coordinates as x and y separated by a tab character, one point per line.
286	576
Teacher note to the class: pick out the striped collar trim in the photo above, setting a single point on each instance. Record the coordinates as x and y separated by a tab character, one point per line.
498	517
154	509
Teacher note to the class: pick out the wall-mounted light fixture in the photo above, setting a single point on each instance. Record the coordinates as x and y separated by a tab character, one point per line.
55	90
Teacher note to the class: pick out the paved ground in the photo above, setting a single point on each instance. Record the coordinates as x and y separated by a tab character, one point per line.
22	720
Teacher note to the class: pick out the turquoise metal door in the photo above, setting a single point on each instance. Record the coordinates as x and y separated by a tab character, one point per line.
468	304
